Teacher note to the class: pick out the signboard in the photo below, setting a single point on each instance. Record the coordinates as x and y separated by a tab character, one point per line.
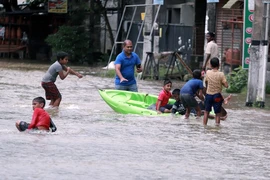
247	33
212	1
57	6
161	2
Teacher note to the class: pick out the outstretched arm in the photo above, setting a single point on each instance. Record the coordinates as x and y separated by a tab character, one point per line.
75	73
118	73
71	71
68	70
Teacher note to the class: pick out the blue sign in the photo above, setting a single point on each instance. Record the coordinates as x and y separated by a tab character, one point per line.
159	2
212	1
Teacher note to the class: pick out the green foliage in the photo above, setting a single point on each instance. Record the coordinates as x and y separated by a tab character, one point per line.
71	39
77	14
267	88
110	73
237	80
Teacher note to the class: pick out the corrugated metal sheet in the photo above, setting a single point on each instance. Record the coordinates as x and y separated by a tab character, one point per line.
229	27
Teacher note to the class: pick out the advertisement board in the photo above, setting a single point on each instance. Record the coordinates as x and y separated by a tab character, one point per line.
57	6
247	32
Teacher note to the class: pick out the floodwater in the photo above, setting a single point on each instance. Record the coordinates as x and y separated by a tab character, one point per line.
94	142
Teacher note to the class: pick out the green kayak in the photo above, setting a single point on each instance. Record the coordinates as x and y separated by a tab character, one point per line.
127	102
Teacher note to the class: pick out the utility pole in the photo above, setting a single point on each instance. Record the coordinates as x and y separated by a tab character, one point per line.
255	57
147	44
258	53
120	7
264	46
211	13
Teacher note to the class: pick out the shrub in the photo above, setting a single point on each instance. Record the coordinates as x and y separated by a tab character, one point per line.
71	39
267	88
237	80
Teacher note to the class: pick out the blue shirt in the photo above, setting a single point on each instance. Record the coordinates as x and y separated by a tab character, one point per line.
127	68
192	86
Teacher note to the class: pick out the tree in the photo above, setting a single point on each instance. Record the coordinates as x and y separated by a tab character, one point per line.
72	37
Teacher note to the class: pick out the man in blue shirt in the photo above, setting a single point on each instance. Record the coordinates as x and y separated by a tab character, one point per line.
125	68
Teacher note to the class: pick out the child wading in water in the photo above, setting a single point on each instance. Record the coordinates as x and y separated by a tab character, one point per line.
214	80
162	105
48	81
40	120
194	87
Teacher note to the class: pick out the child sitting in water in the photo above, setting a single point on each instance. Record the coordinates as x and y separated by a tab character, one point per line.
40	120
178	106
162	105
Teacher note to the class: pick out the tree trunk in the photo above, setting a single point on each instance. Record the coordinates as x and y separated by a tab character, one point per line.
108	25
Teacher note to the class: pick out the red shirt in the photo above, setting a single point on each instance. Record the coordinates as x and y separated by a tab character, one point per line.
40	118
164	97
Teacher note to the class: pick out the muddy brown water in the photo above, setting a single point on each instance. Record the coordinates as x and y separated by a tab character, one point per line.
94	142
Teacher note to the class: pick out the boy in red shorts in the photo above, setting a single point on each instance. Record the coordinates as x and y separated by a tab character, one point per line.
48	81
40	120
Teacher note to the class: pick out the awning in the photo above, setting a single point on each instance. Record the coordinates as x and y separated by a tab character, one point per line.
230	3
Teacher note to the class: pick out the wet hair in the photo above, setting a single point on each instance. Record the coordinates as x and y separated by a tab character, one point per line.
176	91
167	81
61	55
197	74
214	62
211	34
40	100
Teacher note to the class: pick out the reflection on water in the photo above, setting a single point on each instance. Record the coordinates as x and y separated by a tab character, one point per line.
93	142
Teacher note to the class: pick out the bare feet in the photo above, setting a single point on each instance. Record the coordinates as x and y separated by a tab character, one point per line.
227	99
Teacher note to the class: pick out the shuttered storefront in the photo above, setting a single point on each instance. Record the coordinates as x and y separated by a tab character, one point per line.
229	29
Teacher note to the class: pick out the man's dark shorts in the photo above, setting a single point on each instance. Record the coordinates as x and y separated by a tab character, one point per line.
214	101
188	100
